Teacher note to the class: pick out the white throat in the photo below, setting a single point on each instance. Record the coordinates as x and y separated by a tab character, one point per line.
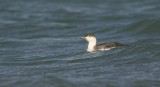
91	46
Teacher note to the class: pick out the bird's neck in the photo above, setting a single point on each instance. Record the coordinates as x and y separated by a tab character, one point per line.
91	46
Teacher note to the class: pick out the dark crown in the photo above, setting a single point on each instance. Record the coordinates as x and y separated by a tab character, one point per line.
90	35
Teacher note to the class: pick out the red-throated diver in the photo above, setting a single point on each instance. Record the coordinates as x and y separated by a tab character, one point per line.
91	39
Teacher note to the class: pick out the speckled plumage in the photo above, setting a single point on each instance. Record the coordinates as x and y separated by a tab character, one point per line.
108	45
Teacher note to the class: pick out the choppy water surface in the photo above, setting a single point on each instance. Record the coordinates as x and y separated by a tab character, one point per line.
40	44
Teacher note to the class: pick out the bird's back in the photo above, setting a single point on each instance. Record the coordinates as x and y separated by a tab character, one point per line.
107	46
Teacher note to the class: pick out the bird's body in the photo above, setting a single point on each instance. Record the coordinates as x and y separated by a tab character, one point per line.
91	39
107	46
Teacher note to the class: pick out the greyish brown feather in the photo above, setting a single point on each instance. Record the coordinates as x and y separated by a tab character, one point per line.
108	45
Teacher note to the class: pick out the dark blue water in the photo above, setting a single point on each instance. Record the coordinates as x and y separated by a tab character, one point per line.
40	44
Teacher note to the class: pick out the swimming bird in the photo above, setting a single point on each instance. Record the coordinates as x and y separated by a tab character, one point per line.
92	44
